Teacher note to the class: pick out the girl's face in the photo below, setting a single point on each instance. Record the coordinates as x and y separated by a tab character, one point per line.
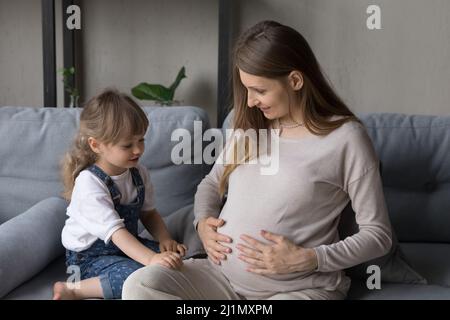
271	96
115	159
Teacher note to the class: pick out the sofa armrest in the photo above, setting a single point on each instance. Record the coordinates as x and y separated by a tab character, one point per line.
30	241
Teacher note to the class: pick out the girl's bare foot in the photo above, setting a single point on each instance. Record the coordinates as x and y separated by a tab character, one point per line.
62	292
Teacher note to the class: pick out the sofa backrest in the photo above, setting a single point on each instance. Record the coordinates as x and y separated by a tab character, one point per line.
414	151
34	141
415	154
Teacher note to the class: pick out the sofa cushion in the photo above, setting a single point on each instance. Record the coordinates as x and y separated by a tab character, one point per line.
179	224
432	260
182	229
31	173
394	266
416	173
396	291
175	185
30	241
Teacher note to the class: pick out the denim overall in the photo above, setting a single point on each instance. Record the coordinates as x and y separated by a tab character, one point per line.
107	261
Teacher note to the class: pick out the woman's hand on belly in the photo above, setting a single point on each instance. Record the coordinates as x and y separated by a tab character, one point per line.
211	239
280	257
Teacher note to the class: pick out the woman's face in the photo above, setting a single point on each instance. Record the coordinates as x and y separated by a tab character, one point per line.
271	96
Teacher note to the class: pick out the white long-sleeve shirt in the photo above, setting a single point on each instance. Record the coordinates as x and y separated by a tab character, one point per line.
317	177
91	210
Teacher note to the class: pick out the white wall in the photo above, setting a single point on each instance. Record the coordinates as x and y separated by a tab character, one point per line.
21	71
405	67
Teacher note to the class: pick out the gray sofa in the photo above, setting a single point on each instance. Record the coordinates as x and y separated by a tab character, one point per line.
414	151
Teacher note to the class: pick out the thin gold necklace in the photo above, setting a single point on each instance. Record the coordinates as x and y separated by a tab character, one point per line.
282	126
290	126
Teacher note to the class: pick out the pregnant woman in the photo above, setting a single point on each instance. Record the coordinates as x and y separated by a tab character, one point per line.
276	236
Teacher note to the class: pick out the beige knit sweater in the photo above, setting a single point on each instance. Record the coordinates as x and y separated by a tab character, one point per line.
317	177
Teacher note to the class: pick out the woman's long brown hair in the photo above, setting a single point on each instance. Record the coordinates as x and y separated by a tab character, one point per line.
272	50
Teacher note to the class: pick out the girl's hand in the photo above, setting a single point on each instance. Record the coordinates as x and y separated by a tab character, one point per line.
207	231
172	245
281	257
167	259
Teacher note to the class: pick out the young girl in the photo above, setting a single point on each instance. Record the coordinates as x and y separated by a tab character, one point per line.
109	192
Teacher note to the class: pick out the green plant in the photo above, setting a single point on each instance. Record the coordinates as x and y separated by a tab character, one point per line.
157	92
67	73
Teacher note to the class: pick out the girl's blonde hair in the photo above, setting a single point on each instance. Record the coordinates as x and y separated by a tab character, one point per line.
272	50
108	118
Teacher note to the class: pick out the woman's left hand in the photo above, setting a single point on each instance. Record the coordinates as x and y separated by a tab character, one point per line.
281	257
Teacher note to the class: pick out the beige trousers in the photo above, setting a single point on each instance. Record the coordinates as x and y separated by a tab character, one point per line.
199	280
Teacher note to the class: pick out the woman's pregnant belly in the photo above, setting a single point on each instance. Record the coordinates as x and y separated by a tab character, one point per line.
250	217
278	204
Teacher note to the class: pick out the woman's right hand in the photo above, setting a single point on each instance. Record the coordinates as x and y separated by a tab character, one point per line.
211	239
167	259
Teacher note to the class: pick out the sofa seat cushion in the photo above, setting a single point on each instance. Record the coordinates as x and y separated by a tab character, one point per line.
181	228
40	287
398	291
431	260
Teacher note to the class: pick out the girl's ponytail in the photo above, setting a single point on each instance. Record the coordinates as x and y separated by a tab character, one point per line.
76	160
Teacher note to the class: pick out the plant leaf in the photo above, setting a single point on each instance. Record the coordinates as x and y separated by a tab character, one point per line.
181	75
146	91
